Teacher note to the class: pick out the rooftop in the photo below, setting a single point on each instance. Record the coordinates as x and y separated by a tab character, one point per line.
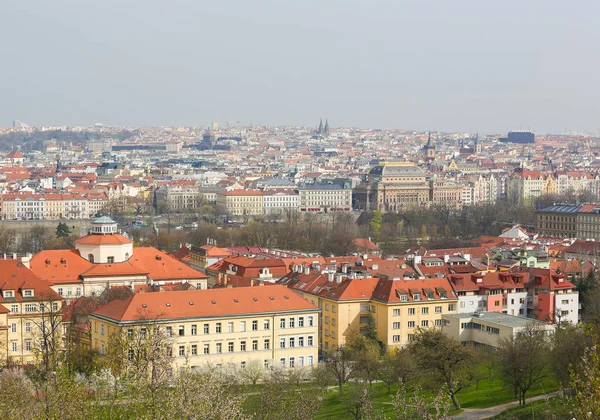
499	319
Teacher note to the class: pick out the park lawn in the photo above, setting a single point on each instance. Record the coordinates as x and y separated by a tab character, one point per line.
539	409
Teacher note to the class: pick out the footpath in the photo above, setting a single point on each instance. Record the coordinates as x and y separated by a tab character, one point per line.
486	413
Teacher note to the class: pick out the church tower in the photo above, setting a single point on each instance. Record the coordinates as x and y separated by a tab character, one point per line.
429	150
326	129
477	145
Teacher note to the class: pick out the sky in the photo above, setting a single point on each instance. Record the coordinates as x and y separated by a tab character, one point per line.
460	65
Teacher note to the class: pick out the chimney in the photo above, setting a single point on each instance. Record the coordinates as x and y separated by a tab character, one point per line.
417	259
375	267
26	260
446	258
345	268
307	270
330	276
339	278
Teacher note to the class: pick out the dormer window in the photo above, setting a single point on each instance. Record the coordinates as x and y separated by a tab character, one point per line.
28	293
417	296
8	294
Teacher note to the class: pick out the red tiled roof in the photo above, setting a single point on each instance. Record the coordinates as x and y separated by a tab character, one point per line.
205	303
112	239
15	276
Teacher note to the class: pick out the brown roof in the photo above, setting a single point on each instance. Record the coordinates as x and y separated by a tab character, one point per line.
205	303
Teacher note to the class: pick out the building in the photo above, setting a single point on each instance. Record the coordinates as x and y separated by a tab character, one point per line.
429	150
280	201
525	186
551	297
16	158
487	328
105	258
569	221
391	186
27	307
349	300
325	197
204	256
240	202
270	324
446	193
177	198
518	136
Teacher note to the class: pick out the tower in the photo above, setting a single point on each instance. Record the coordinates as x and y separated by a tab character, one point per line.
320	129
429	150
326	129
477	145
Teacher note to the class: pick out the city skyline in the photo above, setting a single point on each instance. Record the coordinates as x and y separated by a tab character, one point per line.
465	66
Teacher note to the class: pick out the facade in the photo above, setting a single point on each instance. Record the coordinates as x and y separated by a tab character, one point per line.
219	326
569	221
446	193
240	202
524	186
204	256
280	201
27	305
325	197
26	206
391	186
487	328
551	297
178	198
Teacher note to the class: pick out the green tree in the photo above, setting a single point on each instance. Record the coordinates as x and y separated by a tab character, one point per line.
445	358
375	224
62	230
586	386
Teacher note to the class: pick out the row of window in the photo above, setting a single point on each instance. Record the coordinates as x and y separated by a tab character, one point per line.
289	342
425	310
412	324
15	347
291	322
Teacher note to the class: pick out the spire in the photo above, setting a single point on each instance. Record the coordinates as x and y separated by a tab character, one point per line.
429	145
326	129
320	129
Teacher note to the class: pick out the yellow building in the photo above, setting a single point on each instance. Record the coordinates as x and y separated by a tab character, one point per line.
240	202
28	309
270	324
398	307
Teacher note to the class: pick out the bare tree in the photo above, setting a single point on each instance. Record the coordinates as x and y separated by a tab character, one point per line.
339	362
46	318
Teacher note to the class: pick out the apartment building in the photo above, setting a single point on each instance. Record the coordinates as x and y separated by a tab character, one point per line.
551	297
219	326
51	205
524	186
27	305
446	193
348	301
325	197
280	201
177	198
569	221
240	202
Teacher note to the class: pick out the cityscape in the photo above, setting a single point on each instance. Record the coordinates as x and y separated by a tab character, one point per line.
350	254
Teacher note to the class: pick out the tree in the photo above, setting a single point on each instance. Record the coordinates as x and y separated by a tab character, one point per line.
586	386
396	367
569	343
445	358
16	396
253	371
339	363
375	224
47	331
424	232
524	359
62	230
416	406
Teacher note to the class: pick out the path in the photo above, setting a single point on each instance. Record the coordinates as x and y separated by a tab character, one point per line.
485	413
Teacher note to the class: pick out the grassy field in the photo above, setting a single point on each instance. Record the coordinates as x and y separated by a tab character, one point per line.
554	408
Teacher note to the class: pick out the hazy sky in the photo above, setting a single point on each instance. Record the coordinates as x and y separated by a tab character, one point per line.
477	65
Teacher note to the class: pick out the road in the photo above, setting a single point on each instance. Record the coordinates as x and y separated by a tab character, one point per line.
486	413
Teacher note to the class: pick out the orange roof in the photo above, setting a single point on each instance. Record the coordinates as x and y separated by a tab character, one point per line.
59	265
205	303
112	239
15	276
15	154
161	266
390	290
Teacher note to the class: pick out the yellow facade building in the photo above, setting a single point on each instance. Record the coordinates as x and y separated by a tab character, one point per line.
270	324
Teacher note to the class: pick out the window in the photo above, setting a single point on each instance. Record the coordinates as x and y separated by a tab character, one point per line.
242	346
438	322
300	321
266	344
181	351
254	325
194	350
309	340
169	331
14	347
424	311
281	361
327	320
311	321
194	329
30	307
266	325
309	360
101	348
254	345
243	365
411	311
396	312
142	333
424	324
300	341
130	354
206	328
230	347
207	349
219	347
451	307
292	342
242	326
565	301
411	324
396	325
438	309
292	322
282	323
300	360
292	362
129	332
27	293
110	260
28	327
218	328
101	329
396	338
282	343
266	364
333	308
60	291
327	306
411	337
230	327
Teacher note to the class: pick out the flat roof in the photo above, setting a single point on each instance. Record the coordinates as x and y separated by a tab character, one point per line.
499	318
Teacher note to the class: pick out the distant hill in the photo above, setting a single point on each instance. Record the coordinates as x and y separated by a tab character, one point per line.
35	140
